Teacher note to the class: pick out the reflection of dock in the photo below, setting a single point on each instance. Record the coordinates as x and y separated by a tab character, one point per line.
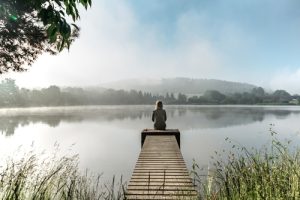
160	172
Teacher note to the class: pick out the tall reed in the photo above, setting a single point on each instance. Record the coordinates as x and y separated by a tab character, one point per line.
268	173
53	178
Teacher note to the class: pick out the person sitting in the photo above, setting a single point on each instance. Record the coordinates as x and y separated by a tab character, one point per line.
159	116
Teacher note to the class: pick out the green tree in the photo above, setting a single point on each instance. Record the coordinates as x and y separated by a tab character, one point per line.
36	98
193	100
52	96
172	98
247	98
259	94
182	98
29	28
9	93
281	96
214	96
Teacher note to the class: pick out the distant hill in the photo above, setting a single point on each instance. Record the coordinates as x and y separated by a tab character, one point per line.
183	85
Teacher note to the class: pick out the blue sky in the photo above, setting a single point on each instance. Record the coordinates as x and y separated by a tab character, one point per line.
254	41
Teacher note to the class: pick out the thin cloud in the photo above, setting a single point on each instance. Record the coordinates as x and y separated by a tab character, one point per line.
233	41
287	80
115	45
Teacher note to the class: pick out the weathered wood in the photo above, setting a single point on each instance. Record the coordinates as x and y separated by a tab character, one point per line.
160	172
161	197
153	132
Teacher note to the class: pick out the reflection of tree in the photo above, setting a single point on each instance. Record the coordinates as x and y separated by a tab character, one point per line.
10	123
182	112
214	114
281	114
256	113
8	126
223	116
170	113
183	116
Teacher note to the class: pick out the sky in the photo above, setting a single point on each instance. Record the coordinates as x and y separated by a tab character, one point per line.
252	41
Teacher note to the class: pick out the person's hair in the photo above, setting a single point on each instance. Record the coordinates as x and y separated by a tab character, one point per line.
159	104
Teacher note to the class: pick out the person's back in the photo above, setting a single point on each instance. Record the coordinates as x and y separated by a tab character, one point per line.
159	117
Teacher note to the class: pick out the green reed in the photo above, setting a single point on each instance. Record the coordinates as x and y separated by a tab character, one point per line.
268	173
272	172
53	178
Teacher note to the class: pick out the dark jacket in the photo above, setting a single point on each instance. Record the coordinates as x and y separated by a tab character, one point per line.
159	117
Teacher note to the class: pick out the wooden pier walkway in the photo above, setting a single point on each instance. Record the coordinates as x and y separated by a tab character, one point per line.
160	172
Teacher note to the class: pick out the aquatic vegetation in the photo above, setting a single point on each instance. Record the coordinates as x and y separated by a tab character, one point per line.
53	178
272	172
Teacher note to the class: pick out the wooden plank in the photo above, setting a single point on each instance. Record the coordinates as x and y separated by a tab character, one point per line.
152	132
160	171
161	197
160	174
158	184
162	185
147	180
162	191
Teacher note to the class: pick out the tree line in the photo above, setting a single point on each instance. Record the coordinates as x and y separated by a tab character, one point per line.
13	96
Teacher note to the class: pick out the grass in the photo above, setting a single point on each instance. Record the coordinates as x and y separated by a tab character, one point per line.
53	178
272	172
268	173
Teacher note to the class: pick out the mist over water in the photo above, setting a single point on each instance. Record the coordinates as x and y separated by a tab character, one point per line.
107	138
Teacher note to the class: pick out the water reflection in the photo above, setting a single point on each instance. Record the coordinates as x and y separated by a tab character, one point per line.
183	117
107	138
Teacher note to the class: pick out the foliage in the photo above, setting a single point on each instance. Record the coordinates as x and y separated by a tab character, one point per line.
30	27
12	96
214	96
182	99
187	86
269	173
53	178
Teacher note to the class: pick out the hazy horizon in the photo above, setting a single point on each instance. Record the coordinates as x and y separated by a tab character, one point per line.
119	84
149	81
255	42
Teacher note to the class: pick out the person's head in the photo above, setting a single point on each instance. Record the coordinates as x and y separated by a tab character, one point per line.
159	105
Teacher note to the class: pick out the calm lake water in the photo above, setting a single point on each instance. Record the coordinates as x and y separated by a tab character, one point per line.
107	138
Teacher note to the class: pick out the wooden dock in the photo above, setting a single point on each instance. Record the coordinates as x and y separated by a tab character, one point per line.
160	172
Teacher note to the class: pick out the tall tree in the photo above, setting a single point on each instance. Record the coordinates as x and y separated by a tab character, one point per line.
182	98
281	96
29	28
214	96
9	93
